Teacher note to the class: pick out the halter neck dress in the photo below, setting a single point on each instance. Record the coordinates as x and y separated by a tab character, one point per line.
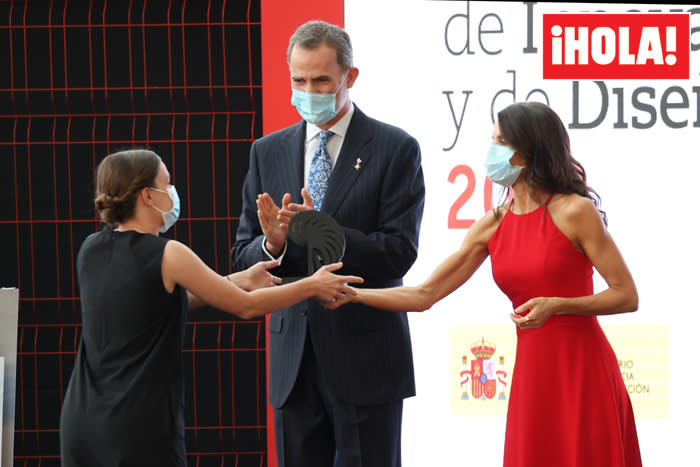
568	403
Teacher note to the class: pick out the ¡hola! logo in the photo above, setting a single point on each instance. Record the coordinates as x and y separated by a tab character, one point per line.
616	46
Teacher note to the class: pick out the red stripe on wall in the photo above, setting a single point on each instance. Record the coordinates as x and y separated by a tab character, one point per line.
279	20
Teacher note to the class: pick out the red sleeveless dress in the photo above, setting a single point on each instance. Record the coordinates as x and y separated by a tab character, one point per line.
568	403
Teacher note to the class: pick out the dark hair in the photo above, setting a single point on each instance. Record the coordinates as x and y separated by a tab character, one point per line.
311	35
536	132
120	177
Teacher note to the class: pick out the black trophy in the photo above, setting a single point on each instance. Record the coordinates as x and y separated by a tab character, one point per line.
322	237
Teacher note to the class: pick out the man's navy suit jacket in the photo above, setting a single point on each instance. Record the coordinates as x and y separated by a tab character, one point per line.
364	353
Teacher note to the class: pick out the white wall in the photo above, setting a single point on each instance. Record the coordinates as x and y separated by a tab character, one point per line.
647	179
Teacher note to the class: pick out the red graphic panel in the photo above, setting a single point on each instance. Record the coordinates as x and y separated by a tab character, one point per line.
616	46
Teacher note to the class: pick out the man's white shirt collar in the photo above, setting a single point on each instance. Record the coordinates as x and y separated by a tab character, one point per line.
340	128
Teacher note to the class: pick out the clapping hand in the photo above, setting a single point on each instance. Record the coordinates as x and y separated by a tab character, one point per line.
274	221
290	209
275	233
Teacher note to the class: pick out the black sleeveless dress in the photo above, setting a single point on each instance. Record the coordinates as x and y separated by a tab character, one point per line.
124	403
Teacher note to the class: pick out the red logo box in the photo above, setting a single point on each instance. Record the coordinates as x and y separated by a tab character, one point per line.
616	46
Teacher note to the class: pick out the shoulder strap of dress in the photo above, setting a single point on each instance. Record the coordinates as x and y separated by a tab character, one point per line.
549	199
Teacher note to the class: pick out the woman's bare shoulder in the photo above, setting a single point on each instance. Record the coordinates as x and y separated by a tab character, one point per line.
484	228
572	207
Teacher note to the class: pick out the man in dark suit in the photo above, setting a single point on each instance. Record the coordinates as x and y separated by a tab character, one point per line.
337	378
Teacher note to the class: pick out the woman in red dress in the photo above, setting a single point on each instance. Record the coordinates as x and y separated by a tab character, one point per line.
568	404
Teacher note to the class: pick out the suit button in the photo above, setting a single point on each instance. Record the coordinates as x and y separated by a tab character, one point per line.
304	312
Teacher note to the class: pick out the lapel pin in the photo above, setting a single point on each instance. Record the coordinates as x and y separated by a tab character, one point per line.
357	166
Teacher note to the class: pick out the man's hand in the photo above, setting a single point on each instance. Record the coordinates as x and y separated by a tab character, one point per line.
268	212
290	209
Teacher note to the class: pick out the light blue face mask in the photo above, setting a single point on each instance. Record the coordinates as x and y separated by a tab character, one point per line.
498	166
315	107
169	217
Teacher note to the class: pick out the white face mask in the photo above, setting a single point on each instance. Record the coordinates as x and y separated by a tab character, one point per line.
498	166
169	217
315	107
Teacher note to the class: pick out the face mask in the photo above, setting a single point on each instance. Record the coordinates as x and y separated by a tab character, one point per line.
169	217
498	166
315	107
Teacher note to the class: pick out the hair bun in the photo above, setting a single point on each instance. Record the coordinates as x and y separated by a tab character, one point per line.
120	177
113	208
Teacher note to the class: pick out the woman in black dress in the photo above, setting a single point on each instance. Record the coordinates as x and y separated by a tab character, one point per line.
124	403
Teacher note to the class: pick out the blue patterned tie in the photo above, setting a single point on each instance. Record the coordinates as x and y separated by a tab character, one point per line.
320	170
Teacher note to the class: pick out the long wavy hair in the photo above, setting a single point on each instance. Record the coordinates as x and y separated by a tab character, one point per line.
536	132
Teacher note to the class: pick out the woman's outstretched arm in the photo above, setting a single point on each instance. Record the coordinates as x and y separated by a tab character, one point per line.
454	271
182	266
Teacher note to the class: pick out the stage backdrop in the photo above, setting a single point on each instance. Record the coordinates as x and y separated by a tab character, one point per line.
78	80
441	70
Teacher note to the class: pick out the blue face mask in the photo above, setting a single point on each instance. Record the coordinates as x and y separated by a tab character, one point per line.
315	107
169	217
498	166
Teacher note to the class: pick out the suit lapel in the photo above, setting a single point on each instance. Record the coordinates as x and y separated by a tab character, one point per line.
345	173
292	163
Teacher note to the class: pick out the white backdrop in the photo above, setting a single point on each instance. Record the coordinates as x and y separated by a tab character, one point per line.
413	66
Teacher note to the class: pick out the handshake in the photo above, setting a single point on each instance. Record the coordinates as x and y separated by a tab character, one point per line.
324	241
326	287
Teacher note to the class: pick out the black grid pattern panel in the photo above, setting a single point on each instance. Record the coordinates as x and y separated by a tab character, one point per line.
82	79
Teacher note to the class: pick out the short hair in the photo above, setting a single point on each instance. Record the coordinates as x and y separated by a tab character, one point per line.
312	34
120	178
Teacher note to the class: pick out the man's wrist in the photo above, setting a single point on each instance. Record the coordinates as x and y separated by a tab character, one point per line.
272	250
273	253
